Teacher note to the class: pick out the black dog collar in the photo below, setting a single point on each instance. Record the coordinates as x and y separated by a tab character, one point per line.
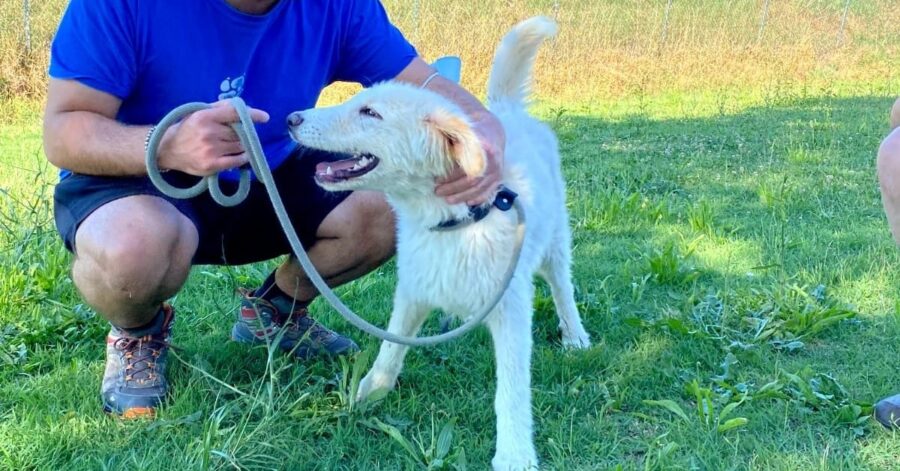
503	201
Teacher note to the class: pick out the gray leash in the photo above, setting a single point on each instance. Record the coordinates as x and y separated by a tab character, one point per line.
250	141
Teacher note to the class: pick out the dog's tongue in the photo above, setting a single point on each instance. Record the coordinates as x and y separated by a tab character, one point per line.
322	167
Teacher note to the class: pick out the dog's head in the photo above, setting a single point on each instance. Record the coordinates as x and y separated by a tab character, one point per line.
398	138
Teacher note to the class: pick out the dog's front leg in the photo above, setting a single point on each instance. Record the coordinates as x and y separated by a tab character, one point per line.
406	319
510	328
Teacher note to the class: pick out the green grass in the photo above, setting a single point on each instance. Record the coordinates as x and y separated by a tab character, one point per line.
732	264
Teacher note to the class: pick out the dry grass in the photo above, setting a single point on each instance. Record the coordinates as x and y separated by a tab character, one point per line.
607	48
728	189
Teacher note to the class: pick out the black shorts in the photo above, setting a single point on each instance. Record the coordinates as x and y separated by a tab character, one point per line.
246	233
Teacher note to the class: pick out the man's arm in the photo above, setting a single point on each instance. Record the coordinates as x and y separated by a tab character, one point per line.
459	188
888	165
82	135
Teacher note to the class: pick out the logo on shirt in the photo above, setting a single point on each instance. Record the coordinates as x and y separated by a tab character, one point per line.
231	88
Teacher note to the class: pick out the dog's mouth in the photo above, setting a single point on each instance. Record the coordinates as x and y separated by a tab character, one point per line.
346	169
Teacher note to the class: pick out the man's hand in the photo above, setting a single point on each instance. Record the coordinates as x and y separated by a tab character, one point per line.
460	188
204	143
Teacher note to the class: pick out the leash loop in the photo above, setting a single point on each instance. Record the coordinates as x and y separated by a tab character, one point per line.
211	182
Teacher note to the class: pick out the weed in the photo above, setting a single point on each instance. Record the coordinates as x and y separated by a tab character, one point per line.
730	334
816	392
707	413
700	217
669	266
792	314
432	454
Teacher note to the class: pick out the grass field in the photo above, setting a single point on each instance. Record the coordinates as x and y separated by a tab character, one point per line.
732	263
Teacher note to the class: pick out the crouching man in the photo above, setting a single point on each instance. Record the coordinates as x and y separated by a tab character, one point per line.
119	66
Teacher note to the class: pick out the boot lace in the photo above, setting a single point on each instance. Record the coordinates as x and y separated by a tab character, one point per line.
141	355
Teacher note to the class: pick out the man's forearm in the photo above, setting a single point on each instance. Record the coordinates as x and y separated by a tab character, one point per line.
418	72
469	104
92	144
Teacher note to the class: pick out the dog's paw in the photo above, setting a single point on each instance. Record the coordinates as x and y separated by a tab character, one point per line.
580	341
510	463
373	387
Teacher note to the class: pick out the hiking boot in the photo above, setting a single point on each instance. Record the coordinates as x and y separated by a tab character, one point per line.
135	383
262	320
887	412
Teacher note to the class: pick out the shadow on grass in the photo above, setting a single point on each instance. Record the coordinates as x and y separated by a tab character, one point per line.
748	202
754	201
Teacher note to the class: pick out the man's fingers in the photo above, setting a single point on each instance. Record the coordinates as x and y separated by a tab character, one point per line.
477	195
231	161
454	187
228	135
469	192
454	175
259	116
471	197
224	112
230	148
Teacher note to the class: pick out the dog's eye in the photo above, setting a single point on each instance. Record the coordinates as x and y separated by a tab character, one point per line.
366	111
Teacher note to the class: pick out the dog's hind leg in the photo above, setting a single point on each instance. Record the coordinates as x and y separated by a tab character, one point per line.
510	327
406	319
557	270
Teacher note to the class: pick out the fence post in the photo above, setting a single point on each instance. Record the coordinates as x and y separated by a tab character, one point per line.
665	31
416	19
26	17
843	23
762	21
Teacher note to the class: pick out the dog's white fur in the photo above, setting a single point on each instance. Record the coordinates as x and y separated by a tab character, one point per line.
417	138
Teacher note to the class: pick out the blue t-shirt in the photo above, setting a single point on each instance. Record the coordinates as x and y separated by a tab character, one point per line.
158	54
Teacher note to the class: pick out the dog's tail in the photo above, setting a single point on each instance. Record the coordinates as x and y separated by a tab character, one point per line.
510	81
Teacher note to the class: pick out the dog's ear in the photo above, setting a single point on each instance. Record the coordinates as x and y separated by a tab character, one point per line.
458	137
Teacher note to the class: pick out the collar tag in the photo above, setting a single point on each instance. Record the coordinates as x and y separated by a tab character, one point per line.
503	201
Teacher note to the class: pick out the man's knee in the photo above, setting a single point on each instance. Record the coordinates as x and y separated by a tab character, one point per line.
135	250
376	227
889	159
889	179
367	221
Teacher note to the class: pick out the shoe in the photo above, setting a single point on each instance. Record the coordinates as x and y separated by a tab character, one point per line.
134	384
261	320
887	412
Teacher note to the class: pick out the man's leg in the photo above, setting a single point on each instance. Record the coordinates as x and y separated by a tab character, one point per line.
887	411
131	255
354	238
889	172
357	237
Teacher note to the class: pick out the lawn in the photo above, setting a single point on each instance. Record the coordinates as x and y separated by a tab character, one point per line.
732	263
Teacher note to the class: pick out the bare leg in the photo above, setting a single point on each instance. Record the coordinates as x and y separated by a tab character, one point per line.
887	411
889	173
132	254
354	239
406	319
895	115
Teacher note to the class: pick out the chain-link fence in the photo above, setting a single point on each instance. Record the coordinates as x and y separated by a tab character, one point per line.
605	46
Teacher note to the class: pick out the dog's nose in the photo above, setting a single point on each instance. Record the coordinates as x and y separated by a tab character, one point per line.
295	119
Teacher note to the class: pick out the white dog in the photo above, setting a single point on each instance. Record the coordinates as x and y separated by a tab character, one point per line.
402	139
